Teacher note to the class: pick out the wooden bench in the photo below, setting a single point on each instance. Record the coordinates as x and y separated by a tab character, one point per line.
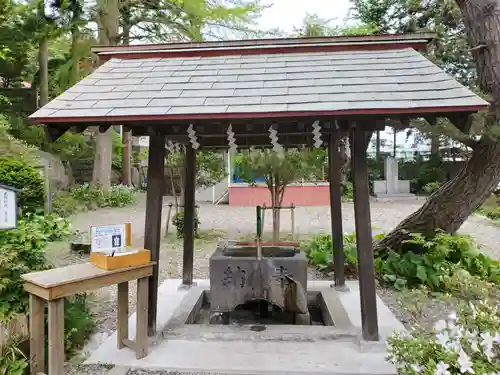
55	284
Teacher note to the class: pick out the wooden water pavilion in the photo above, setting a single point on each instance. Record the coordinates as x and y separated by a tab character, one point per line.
352	85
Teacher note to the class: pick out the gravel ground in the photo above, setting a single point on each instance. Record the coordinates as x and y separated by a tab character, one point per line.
233	222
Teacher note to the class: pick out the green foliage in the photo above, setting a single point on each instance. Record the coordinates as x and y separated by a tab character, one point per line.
93	196
21	175
12	360
491	207
348	192
210	166
320	254
467	342
78	323
437	263
22	251
178	222
431	187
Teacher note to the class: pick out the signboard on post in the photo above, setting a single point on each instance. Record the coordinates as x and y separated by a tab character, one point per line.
110	238
8	207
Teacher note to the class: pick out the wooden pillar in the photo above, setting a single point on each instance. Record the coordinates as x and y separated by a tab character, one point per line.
364	243
335	179
37	334
189	216
56	337
152	231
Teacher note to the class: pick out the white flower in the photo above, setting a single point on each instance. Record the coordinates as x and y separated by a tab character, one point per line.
487	344
474	345
443	338
453	316
417	368
440	326
442	369
465	363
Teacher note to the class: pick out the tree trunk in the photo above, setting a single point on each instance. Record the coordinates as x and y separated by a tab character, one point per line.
456	200
43	71
108	23
435	144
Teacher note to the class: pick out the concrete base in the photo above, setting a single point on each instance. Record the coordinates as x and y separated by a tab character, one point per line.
280	349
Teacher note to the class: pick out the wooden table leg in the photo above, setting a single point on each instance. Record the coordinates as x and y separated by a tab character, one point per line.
122	314
37	335
141	338
56	337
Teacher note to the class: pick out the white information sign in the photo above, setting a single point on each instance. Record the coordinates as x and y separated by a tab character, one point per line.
109	238
8	208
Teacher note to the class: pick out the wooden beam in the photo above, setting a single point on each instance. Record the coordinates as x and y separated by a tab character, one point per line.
462	121
335	179
189	216
104	128
152	230
364	243
53	133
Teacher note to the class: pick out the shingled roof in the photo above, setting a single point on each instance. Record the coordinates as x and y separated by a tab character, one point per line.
397	80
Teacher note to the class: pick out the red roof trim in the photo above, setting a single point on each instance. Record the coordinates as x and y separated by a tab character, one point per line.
252	115
261	51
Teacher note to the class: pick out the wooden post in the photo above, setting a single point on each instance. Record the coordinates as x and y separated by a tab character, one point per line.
56	337
37	335
152	231
167	222
263	217
335	180
189	216
122	314
141	338
292	214
364	243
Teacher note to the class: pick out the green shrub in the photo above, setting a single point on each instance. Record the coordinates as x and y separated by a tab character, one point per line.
21	175
22	251
12	360
430	262
320	254
78	323
466	343
348	192
64	205
93	196
178	223
431	187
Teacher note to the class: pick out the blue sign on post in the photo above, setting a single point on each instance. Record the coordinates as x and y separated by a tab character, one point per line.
8	207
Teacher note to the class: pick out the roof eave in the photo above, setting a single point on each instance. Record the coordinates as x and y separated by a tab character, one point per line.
255	115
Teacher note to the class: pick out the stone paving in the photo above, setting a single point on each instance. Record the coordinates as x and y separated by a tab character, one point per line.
308	220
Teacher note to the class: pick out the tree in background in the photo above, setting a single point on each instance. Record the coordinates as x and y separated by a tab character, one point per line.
467	31
210	169
278	169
